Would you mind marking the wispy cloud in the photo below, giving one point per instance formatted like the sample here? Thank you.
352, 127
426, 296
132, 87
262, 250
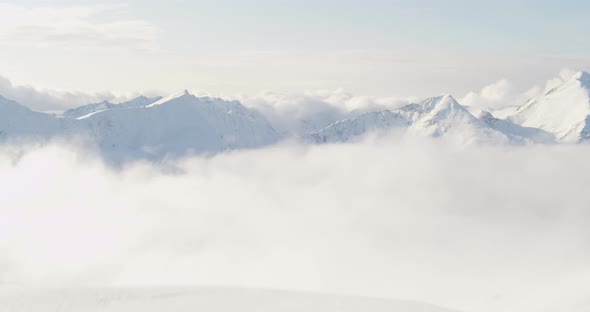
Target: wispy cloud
54, 101
78, 26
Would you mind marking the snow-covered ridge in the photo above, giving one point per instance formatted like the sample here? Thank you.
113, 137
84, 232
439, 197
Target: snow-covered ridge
517, 132
175, 127
437, 117
345, 130
88, 109
181, 124
562, 111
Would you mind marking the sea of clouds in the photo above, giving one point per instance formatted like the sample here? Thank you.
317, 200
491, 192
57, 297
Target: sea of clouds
474, 228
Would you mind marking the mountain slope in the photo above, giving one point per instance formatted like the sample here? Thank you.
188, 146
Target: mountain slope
177, 126
443, 115
515, 132
348, 129
84, 110
436, 117
563, 111
17, 122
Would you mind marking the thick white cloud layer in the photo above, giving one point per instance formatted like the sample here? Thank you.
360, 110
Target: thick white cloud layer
475, 228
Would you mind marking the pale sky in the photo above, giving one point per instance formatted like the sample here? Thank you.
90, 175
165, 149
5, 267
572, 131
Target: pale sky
369, 47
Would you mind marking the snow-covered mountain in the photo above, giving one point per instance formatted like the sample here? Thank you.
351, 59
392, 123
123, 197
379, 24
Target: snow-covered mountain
517, 133
84, 110
154, 128
19, 122
178, 125
174, 126
348, 129
563, 110
435, 117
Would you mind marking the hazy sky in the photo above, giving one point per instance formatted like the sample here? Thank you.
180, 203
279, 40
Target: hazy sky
401, 48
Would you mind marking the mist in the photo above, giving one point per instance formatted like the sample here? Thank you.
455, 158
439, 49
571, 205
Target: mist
474, 228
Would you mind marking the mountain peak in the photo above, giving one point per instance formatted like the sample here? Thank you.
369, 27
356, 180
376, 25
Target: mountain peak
442, 102
444, 99
583, 77
581, 74
449, 100
179, 96
485, 115
447, 97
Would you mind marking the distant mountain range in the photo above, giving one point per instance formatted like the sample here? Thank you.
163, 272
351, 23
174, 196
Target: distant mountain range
435, 117
145, 129
155, 128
